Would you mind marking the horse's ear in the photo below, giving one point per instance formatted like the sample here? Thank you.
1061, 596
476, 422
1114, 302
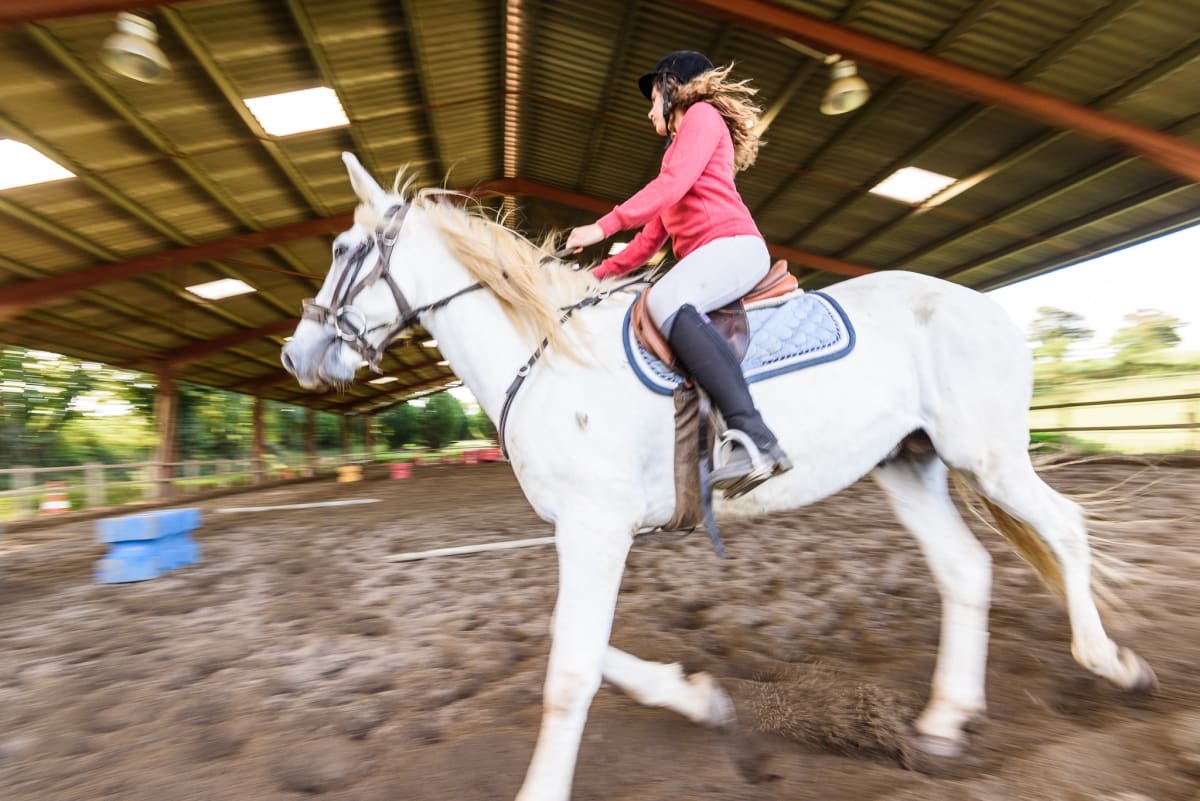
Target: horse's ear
367, 189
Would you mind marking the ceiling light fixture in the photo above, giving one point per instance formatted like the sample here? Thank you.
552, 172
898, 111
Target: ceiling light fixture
847, 91
133, 50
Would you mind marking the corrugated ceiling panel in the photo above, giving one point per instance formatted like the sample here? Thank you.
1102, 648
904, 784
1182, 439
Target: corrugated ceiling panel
1013, 34
1105, 62
912, 23
171, 197
103, 227
254, 181
42, 253
458, 47
372, 68
255, 43
1158, 105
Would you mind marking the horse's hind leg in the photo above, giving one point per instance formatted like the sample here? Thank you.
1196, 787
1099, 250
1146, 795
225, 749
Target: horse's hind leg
697, 697
1057, 527
918, 489
591, 560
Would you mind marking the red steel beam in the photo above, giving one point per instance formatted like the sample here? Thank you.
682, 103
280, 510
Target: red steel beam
200, 350
17, 298
20, 297
1176, 154
18, 12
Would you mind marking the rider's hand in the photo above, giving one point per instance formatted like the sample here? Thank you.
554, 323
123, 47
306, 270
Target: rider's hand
583, 236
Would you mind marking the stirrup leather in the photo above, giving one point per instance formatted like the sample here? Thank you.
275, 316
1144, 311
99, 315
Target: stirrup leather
738, 464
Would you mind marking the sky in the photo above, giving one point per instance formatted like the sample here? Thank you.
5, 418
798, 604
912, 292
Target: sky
1161, 274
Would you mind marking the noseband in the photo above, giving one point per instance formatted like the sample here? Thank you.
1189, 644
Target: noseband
349, 323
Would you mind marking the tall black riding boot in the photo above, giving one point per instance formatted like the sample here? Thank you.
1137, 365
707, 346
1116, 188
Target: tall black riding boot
707, 357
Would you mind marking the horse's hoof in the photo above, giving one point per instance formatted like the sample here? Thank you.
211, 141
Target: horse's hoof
1144, 681
942, 747
720, 713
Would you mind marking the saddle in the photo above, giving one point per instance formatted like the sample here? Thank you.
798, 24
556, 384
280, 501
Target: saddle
729, 320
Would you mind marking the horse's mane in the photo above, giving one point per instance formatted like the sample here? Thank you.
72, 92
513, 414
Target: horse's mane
531, 287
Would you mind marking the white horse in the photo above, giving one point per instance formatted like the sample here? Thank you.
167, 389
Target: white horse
592, 448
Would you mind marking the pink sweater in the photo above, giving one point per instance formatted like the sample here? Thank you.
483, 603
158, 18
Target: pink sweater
693, 199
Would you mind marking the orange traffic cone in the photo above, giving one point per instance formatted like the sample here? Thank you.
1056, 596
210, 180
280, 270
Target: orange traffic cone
56, 502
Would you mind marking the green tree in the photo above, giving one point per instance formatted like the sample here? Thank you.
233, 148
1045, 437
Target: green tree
441, 420
399, 425
480, 426
1055, 330
55, 410
1146, 331
213, 423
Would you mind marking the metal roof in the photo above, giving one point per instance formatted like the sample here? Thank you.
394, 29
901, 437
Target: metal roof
1077, 120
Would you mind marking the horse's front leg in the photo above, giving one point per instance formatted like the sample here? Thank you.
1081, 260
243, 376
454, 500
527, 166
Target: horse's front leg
591, 559
697, 697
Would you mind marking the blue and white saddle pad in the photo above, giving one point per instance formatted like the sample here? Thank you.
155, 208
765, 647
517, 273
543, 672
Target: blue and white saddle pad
805, 329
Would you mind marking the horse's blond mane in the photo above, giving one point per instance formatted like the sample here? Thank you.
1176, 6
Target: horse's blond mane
531, 288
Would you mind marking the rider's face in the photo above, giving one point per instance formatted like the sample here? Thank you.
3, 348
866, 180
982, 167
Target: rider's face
655, 115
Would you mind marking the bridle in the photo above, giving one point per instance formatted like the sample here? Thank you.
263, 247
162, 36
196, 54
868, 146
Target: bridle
342, 316
349, 323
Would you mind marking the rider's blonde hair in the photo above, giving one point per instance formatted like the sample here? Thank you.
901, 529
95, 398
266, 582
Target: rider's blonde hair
732, 99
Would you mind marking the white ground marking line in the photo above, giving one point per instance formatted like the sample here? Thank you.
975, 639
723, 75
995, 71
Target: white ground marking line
462, 549
298, 505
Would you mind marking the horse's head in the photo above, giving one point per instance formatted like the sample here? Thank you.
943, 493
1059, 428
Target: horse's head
360, 308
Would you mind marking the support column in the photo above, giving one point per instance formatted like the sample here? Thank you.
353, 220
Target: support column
257, 457
368, 436
166, 412
310, 442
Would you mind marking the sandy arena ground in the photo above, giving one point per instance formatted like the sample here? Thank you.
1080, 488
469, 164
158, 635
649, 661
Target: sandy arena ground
294, 659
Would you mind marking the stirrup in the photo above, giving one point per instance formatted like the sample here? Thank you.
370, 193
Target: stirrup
739, 466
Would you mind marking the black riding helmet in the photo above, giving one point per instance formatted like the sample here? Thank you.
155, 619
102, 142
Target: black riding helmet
683, 65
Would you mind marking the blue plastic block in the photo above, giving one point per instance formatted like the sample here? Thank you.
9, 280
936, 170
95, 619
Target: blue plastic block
147, 525
136, 560
179, 521
178, 550
142, 546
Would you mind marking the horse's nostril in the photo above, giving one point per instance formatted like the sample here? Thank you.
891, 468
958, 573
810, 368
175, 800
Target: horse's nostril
287, 362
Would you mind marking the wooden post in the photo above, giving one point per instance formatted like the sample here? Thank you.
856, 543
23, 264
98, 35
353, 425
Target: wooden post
259, 470
191, 469
94, 478
368, 436
310, 442
23, 480
166, 407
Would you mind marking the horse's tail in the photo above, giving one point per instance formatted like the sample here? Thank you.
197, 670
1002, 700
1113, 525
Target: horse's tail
1020, 535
